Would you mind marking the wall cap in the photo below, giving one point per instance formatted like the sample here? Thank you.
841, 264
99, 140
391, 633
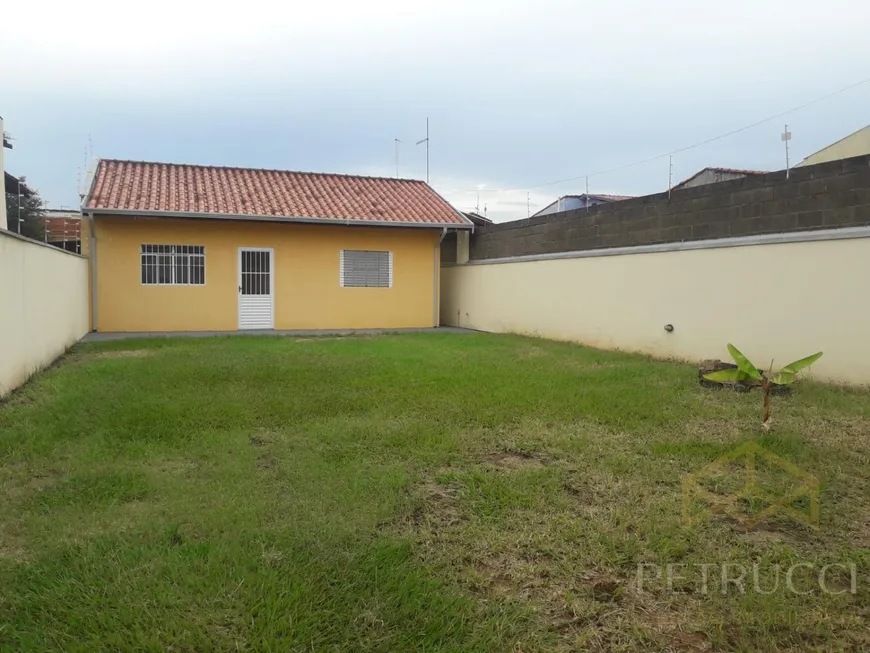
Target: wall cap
685, 245
17, 236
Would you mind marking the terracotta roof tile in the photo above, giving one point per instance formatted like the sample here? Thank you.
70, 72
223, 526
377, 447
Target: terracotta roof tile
245, 192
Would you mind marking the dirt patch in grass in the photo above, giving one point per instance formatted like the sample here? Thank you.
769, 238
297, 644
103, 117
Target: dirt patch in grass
775, 531
515, 460
852, 433
13, 553
13, 542
266, 461
861, 534
174, 467
670, 625
606, 588
126, 353
437, 505
18, 481
325, 338
583, 365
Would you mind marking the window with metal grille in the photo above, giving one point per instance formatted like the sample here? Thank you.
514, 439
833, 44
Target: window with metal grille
173, 265
366, 269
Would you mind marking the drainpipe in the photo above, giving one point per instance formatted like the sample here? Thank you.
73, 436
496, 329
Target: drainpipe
93, 258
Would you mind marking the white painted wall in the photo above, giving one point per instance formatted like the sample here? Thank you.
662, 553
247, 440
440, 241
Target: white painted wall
43, 306
780, 301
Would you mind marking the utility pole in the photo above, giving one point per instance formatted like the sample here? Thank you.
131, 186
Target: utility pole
528, 205
786, 137
397, 157
426, 140
587, 193
19, 206
670, 174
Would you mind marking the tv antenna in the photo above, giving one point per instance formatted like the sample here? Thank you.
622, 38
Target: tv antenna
398, 142
426, 140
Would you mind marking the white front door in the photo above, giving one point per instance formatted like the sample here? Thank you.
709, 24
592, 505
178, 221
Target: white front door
256, 288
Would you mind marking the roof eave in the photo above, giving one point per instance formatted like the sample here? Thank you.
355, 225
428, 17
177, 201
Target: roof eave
270, 218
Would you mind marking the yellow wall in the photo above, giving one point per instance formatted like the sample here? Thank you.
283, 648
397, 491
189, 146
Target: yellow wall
856, 144
307, 291
781, 301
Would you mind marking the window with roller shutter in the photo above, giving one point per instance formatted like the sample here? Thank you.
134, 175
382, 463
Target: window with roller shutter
366, 269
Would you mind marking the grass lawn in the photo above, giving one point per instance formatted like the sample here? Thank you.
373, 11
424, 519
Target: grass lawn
421, 492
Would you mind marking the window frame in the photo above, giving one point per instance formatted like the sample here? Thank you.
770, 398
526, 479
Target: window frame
341, 267
173, 264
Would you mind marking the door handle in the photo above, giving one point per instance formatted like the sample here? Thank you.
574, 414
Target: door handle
240, 290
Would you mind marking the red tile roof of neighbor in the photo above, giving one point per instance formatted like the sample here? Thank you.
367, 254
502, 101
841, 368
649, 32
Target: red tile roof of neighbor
169, 188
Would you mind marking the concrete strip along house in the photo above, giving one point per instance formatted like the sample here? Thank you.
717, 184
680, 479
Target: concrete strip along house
193, 248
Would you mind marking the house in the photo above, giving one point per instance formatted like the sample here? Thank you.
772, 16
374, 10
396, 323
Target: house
63, 228
571, 202
189, 248
855, 144
716, 175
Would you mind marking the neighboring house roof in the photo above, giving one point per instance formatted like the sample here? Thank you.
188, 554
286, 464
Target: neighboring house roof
600, 198
732, 171
169, 189
477, 219
604, 197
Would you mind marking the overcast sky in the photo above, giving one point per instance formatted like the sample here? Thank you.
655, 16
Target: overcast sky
518, 93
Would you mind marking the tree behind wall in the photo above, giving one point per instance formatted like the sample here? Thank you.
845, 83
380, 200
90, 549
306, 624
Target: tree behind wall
32, 211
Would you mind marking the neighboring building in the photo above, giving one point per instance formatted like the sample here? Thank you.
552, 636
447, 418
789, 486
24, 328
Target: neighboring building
855, 144
477, 219
63, 228
190, 248
716, 175
13, 186
571, 202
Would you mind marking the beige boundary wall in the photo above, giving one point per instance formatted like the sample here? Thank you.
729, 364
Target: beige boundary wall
781, 296
43, 306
